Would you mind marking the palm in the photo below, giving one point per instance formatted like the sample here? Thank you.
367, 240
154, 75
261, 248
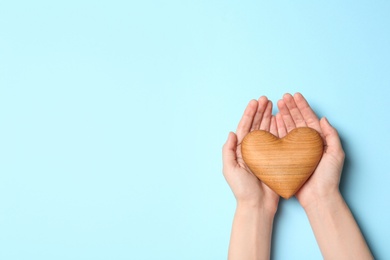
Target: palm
254, 187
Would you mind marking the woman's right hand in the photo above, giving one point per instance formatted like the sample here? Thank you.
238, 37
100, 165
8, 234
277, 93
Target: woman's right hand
294, 111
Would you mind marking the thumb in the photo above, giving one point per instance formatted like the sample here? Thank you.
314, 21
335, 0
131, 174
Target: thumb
229, 156
332, 138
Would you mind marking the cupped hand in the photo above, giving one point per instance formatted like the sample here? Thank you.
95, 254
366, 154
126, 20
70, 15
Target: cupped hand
294, 111
247, 188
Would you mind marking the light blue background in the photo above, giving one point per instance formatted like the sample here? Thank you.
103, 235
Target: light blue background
113, 115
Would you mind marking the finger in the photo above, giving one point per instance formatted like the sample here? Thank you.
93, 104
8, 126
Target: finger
266, 121
262, 104
245, 124
286, 116
294, 111
273, 128
308, 114
229, 151
332, 138
282, 131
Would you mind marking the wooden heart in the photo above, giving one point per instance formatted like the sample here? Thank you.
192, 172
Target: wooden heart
283, 164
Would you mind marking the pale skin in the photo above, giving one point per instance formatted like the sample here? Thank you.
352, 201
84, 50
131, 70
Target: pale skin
334, 227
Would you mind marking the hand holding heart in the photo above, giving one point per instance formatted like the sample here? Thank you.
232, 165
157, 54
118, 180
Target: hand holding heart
283, 155
294, 112
247, 188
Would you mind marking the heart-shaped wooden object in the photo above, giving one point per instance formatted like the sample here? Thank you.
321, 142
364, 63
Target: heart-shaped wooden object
283, 164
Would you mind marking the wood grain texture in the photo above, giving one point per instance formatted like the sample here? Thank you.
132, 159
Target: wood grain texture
283, 164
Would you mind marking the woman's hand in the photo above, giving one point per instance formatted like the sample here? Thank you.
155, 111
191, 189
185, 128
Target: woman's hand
247, 188
256, 203
296, 112
334, 226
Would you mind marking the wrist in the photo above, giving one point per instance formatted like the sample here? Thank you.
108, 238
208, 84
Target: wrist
256, 207
320, 203
317, 195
